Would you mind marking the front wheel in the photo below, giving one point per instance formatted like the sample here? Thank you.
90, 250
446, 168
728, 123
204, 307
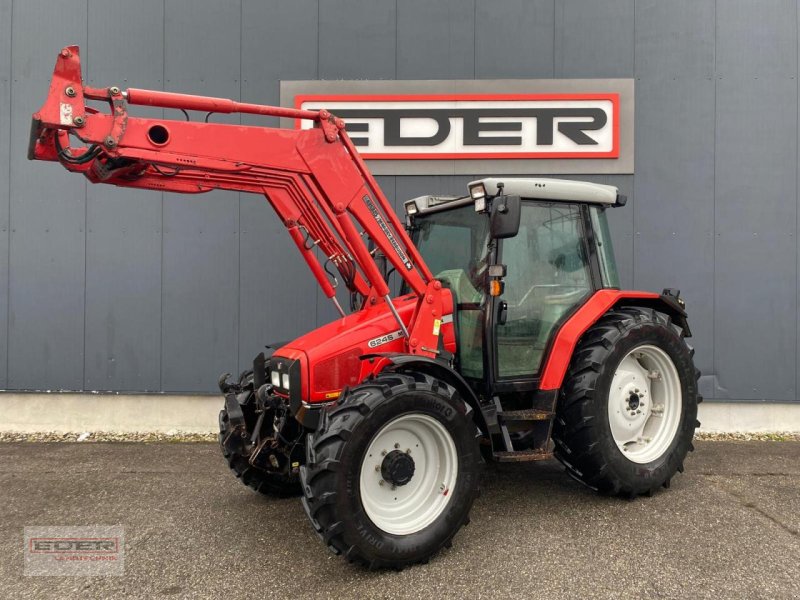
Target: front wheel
392, 472
628, 408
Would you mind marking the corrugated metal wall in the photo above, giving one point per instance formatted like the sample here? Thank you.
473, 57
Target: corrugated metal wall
108, 289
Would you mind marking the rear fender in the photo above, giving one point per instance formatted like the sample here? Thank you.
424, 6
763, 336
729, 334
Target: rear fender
570, 332
668, 303
398, 363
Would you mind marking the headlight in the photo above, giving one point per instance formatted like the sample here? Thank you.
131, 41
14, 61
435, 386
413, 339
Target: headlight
275, 379
285, 380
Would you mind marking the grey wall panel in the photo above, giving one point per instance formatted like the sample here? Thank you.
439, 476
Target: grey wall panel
436, 40
756, 245
514, 38
200, 269
123, 239
675, 39
594, 39
200, 305
279, 41
41, 28
5, 41
674, 189
5, 125
357, 39
47, 216
756, 39
126, 43
202, 46
123, 290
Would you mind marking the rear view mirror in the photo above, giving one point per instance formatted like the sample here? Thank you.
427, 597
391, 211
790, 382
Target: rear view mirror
504, 219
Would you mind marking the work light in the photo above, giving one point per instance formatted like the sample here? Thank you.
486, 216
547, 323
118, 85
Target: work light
477, 191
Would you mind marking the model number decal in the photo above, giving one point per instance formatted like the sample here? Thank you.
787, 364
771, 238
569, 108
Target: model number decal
385, 339
387, 232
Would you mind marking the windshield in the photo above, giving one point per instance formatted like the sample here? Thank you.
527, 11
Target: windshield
454, 244
453, 240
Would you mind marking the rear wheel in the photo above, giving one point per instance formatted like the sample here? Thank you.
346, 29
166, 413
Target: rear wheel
628, 408
392, 472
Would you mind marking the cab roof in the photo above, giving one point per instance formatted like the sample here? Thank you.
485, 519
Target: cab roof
539, 188
542, 188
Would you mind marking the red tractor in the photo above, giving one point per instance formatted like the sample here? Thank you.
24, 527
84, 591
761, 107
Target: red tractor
509, 339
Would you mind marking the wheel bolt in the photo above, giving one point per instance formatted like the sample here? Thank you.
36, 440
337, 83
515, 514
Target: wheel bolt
396, 446
377, 468
381, 482
383, 452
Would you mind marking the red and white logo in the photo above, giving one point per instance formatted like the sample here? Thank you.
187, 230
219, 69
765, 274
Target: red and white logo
476, 126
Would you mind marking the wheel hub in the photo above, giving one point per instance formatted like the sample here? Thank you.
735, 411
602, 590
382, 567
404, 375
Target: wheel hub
397, 468
631, 395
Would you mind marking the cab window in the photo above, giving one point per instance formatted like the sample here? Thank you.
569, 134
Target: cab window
548, 277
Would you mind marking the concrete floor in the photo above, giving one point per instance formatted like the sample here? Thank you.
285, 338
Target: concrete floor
728, 528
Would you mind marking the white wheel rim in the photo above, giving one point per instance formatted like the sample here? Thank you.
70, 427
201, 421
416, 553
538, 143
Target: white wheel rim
406, 509
645, 403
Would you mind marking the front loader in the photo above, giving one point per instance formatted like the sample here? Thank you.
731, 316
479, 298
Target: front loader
510, 339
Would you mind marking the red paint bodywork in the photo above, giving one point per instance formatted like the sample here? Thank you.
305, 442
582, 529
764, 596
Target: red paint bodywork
570, 332
353, 334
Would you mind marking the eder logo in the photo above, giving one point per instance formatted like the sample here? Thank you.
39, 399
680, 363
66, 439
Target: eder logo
476, 126
73, 545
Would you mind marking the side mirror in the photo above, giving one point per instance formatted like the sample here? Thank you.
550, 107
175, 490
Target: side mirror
504, 219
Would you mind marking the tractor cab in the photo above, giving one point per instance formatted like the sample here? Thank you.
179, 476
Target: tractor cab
520, 256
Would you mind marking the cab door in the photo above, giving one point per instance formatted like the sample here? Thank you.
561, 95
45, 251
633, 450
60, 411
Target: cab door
548, 278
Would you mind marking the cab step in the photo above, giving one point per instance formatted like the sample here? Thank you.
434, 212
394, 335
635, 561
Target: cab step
530, 414
523, 455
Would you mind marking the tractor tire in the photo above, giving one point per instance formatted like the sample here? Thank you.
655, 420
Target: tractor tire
392, 472
628, 407
269, 484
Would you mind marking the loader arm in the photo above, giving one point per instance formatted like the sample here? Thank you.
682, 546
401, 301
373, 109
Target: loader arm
314, 179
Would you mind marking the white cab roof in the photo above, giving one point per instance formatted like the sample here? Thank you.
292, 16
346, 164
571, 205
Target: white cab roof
551, 189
